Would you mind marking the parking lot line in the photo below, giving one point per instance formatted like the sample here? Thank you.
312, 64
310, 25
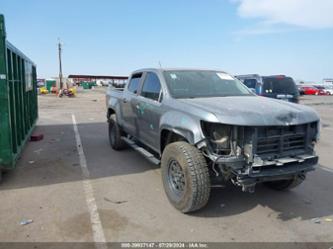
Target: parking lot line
326, 168
97, 228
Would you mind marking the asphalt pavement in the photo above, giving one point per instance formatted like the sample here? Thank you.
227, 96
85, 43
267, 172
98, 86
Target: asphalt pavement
74, 187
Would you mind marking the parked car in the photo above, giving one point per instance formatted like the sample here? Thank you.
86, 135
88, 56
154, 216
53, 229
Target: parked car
329, 89
310, 90
276, 86
206, 128
324, 90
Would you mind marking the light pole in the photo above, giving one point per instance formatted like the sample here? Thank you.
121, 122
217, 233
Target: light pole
60, 64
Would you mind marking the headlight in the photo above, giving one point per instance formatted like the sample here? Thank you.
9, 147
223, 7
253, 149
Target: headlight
219, 135
248, 152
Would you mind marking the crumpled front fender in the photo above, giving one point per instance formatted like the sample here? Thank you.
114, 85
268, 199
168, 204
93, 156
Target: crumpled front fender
183, 125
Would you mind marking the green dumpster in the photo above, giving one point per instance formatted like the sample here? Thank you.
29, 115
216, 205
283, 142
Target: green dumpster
49, 84
18, 100
87, 84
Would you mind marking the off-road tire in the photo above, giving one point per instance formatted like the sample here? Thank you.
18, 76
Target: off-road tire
285, 184
197, 181
115, 134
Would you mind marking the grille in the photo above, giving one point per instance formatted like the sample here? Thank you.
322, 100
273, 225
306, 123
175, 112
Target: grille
280, 141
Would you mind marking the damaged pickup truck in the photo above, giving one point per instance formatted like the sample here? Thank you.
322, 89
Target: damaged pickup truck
206, 128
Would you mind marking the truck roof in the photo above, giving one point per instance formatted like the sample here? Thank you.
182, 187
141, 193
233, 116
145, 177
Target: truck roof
176, 69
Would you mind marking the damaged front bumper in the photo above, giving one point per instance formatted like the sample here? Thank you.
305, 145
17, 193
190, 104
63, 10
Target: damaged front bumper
281, 169
248, 175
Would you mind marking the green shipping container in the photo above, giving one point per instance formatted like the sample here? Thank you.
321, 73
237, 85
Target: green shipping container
18, 100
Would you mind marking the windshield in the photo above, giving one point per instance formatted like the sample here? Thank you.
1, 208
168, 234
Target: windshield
279, 85
198, 84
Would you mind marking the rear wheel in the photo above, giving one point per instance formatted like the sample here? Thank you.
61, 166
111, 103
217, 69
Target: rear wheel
115, 134
286, 184
185, 176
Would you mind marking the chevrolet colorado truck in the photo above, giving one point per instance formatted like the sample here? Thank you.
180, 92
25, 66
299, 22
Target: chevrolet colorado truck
206, 128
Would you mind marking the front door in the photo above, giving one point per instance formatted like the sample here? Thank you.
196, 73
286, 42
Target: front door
149, 111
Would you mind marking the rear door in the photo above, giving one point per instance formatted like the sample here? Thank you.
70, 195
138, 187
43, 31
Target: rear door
128, 104
149, 111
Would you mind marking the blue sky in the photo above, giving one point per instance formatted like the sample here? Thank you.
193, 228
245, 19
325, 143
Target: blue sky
115, 37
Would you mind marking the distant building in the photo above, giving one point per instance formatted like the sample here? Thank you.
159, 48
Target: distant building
328, 81
307, 83
77, 78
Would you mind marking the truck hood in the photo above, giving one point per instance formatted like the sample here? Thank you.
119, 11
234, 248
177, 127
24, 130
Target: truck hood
253, 111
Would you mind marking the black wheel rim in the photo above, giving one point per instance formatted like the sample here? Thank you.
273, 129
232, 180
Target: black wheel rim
176, 178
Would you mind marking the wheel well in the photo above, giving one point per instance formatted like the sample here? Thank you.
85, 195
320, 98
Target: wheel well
168, 137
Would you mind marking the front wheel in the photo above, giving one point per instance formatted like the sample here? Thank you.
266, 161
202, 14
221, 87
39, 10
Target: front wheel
185, 176
286, 184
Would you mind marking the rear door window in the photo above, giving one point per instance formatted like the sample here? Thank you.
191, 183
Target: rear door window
134, 83
151, 87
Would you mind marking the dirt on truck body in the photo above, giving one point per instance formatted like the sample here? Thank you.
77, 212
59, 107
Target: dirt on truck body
205, 127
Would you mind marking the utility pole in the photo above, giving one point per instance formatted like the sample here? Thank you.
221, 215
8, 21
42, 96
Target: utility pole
60, 65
